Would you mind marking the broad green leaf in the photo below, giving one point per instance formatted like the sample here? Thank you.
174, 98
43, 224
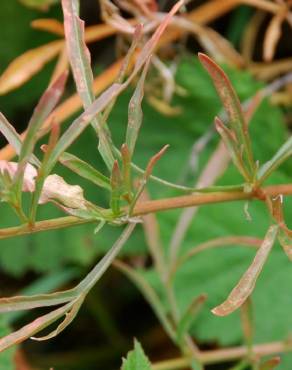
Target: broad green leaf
84, 170
136, 359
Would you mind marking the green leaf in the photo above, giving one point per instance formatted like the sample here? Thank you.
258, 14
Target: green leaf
13, 138
282, 155
190, 316
84, 170
136, 359
90, 280
45, 106
117, 188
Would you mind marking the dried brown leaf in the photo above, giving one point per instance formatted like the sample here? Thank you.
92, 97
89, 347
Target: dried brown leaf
273, 34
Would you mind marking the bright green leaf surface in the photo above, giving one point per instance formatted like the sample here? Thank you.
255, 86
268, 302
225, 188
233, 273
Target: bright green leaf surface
136, 359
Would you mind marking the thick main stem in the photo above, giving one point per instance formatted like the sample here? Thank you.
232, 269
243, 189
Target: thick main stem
150, 206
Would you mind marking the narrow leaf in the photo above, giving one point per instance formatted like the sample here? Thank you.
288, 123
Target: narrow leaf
79, 125
46, 104
270, 364
27, 65
90, 280
154, 160
286, 243
84, 170
135, 113
126, 159
116, 187
34, 327
190, 316
247, 282
18, 303
69, 317
226, 93
49, 25
232, 106
79, 58
146, 176
149, 294
281, 156
232, 146
13, 138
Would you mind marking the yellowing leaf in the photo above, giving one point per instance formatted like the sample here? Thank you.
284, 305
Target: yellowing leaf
27, 65
48, 24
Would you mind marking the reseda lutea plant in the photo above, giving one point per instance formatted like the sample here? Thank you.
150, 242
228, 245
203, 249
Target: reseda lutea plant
128, 203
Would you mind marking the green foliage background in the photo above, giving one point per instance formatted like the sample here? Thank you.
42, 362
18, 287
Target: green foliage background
213, 272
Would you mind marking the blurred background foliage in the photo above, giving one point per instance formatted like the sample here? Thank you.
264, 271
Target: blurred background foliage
115, 310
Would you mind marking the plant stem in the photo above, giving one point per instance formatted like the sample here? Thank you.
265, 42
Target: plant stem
222, 355
150, 206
